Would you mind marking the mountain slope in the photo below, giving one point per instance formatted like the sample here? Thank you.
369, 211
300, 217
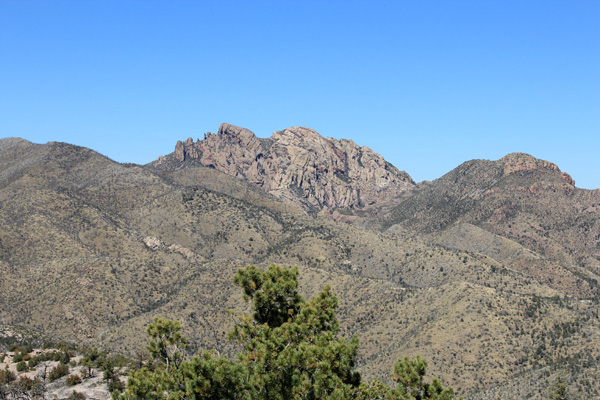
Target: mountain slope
92, 250
518, 197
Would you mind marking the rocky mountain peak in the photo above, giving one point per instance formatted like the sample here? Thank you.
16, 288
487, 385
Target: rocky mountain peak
297, 164
299, 134
516, 162
236, 133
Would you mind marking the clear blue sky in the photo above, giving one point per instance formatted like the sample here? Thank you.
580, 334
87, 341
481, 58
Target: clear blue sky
427, 84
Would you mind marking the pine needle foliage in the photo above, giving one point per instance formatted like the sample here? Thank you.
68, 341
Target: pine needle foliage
290, 350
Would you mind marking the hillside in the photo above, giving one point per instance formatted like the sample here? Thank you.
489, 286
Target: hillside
91, 250
523, 199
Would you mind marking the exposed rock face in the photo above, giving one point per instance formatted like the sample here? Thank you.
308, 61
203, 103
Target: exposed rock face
296, 163
515, 162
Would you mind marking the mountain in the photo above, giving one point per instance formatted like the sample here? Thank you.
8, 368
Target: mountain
296, 164
92, 250
523, 199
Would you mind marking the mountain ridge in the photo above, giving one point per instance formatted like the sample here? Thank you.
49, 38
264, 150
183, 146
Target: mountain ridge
92, 250
296, 164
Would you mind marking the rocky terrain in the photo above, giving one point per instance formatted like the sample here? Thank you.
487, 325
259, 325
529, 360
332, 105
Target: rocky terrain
33, 370
490, 272
296, 164
90, 387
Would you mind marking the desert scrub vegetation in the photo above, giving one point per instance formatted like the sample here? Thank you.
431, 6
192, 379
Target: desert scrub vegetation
290, 350
58, 372
73, 379
21, 366
7, 376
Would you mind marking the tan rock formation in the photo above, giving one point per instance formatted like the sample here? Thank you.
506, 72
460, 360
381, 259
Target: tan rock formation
515, 162
297, 164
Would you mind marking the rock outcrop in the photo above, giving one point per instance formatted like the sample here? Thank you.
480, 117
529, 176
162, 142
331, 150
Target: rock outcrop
297, 164
516, 162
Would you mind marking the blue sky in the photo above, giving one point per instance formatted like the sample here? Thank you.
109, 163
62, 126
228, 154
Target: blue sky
427, 84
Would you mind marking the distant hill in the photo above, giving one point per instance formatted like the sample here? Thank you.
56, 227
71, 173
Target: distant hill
520, 198
91, 250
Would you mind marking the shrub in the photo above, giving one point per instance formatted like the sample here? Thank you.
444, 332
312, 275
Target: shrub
18, 357
115, 384
25, 383
65, 358
64, 346
75, 395
33, 362
73, 380
26, 349
22, 366
58, 372
7, 376
50, 356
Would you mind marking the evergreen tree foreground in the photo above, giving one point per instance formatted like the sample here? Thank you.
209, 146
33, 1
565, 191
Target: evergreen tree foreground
289, 351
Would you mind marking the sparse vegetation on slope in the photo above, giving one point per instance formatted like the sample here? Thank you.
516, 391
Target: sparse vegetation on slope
91, 250
59, 372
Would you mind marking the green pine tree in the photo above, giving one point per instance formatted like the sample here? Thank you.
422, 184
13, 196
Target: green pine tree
290, 350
